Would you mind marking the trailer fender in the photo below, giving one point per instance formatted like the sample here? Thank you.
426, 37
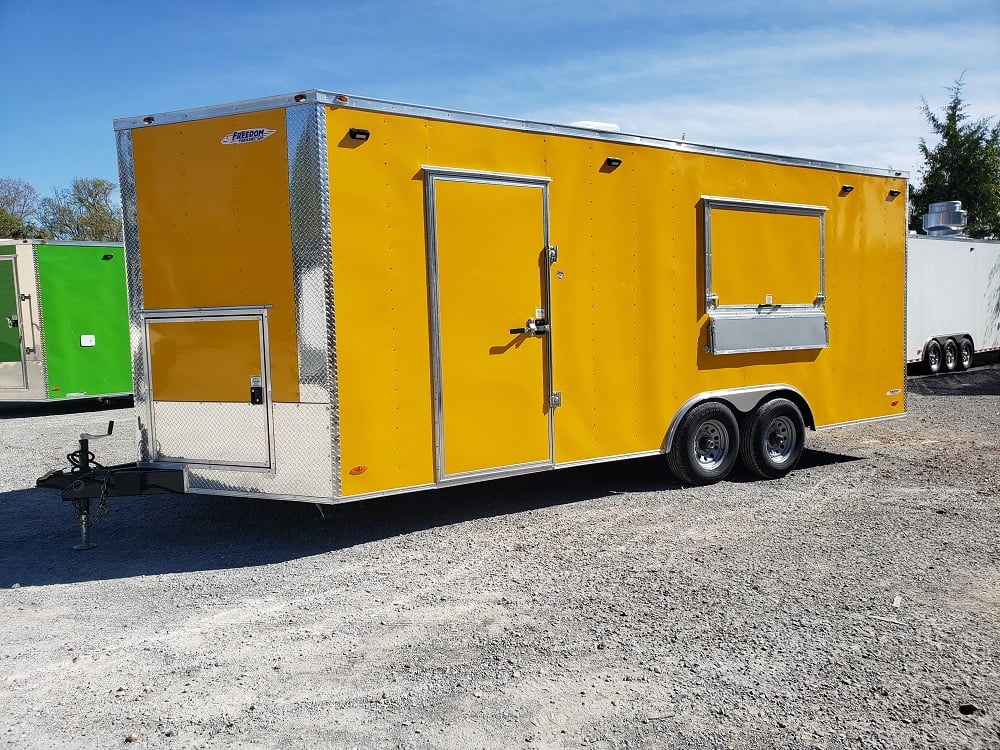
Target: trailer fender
742, 401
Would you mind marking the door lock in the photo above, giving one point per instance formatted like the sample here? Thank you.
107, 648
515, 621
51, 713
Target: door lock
256, 390
532, 327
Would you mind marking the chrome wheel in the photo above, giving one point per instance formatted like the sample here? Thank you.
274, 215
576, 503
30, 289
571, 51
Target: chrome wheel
965, 354
950, 355
934, 357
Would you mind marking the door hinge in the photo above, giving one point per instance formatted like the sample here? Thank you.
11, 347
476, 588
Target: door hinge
555, 400
25, 297
553, 253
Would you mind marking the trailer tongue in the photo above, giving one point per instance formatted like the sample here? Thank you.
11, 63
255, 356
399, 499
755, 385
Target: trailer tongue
86, 480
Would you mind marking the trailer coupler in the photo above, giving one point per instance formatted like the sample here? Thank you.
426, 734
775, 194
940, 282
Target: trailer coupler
86, 480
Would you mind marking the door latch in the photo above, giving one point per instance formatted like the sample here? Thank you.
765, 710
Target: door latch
12, 321
532, 327
256, 390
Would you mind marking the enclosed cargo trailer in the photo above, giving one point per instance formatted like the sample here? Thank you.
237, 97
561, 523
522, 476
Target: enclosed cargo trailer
64, 321
952, 294
335, 298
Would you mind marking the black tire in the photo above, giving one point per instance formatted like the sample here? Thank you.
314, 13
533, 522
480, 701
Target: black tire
933, 357
950, 355
773, 439
966, 353
706, 445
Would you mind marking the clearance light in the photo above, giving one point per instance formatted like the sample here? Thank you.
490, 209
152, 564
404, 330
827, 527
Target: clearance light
359, 134
612, 162
358, 470
342, 98
845, 189
893, 194
300, 97
148, 120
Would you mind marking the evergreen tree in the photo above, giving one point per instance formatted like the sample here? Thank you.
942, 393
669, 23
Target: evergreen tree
964, 166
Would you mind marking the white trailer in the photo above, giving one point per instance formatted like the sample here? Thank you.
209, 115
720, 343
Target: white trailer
952, 294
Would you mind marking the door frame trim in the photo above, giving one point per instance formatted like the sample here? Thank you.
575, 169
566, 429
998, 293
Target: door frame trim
432, 175
206, 314
20, 325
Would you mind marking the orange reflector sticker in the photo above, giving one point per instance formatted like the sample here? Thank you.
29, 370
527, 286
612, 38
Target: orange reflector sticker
358, 470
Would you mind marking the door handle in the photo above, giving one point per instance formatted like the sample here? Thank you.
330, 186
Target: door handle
532, 327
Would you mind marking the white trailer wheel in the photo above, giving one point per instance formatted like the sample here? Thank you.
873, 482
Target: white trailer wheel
950, 355
966, 353
932, 357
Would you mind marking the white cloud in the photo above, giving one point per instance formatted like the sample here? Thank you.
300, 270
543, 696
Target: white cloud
851, 95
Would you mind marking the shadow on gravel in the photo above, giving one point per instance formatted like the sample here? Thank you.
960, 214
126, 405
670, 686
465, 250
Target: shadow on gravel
810, 460
155, 535
20, 410
979, 381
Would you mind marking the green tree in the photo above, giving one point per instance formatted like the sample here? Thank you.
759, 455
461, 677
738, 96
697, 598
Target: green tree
963, 166
11, 227
83, 212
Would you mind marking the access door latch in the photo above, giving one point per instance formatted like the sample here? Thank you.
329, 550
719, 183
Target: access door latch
256, 391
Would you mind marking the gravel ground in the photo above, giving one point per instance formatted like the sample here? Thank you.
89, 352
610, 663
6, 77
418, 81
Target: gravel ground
855, 603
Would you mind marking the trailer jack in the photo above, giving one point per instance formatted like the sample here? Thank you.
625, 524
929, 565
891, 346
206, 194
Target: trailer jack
86, 480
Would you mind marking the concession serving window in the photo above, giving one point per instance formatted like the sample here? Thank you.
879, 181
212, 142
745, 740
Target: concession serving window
764, 276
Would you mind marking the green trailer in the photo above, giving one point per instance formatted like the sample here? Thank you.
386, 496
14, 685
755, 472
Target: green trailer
64, 330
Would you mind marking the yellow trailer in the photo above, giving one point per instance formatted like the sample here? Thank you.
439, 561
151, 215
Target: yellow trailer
335, 298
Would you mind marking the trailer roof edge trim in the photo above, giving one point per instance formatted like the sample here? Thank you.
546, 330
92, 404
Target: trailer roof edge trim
348, 101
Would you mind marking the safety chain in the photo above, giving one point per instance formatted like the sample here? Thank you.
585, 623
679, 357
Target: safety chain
81, 506
102, 505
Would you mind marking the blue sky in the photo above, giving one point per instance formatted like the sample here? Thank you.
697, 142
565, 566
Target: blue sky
840, 81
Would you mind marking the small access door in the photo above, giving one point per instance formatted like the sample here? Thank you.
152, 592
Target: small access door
12, 367
491, 323
209, 387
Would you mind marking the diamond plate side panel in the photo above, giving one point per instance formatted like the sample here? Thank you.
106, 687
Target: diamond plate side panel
133, 275
210, 432
312, 258
310, 222
303, 464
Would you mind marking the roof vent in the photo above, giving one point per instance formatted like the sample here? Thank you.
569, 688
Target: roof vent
945, 218
608, 127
